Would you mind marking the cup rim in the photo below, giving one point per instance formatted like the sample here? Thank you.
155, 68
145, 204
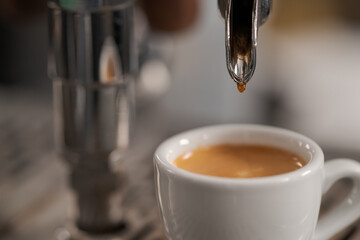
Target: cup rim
316, 161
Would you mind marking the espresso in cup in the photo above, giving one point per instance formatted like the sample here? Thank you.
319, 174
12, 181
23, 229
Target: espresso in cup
239, 161
279, 207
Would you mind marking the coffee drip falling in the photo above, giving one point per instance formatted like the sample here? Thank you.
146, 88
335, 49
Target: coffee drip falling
242, 19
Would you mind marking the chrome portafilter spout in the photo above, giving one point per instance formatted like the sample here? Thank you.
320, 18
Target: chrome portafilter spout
92, 66
242, 20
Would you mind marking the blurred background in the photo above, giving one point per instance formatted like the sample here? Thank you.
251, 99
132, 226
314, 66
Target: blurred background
307, 79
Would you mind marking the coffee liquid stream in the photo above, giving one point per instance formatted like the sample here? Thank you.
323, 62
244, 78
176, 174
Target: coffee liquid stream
239, 161
240, 38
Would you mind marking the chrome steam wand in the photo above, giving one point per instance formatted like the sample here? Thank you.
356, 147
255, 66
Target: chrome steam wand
92, 66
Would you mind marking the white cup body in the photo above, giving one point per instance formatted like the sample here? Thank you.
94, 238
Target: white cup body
199, 207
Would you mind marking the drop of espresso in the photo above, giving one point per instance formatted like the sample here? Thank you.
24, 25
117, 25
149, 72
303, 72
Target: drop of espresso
241, 87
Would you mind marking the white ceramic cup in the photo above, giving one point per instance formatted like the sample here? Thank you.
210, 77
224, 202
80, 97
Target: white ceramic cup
280, 207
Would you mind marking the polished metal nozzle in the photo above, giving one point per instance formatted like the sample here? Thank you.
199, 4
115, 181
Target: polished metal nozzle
242, 19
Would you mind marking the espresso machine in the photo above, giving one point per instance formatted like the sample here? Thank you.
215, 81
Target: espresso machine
93, 65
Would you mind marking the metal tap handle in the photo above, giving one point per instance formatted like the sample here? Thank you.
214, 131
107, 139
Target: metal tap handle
242, 19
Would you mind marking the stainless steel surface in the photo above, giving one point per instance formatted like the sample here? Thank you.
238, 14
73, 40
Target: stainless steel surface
91, 5
92, 65
92, 119
91, 47
242, 20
